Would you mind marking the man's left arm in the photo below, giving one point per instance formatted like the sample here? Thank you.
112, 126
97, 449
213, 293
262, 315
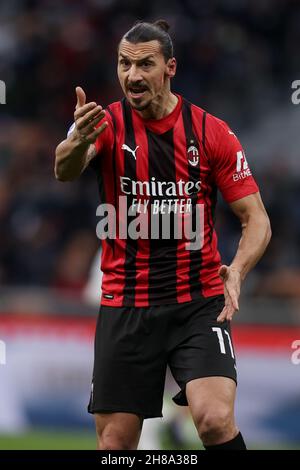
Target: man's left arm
256, 234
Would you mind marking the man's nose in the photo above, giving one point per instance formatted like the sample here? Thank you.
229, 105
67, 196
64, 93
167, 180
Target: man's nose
134, 75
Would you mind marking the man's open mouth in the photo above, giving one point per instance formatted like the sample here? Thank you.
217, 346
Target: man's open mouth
137, 92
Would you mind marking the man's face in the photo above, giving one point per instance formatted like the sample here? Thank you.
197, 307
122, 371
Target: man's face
142, 72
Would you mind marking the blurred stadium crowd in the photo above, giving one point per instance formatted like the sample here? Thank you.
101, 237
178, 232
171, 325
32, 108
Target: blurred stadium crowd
236, 59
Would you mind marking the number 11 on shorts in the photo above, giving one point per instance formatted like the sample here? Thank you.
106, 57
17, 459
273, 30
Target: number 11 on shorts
219, 332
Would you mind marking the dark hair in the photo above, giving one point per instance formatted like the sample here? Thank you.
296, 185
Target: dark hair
143, 32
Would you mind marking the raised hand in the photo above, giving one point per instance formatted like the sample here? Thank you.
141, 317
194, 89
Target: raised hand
86, 117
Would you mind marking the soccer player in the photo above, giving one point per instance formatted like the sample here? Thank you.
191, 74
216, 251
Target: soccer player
166, 299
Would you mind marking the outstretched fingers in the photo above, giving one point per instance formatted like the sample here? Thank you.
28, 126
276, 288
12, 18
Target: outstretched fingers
87, 116
93, 136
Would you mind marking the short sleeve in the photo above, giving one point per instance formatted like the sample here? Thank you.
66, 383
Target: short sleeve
230, 167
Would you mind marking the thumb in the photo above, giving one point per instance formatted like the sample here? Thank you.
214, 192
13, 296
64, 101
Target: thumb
81, 98
223, 272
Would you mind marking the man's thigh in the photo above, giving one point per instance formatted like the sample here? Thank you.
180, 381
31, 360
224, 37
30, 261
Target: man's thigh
211, 402
210, 393
203, 347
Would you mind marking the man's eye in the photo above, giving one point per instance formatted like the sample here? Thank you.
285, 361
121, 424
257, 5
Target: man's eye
147, 64
124, 62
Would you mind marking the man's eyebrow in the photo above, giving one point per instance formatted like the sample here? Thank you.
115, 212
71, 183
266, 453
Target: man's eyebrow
149, 56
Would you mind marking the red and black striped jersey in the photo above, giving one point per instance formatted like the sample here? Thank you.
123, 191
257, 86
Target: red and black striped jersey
170, 166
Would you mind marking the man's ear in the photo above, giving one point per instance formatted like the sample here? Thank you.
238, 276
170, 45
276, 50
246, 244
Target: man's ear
171, 67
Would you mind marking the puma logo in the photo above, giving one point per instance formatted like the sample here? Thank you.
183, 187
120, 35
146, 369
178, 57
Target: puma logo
125, 147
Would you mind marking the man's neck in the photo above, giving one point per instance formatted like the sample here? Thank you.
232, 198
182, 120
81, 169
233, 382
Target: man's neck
160, 107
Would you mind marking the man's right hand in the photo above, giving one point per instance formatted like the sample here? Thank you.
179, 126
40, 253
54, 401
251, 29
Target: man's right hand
86, 117
73, 154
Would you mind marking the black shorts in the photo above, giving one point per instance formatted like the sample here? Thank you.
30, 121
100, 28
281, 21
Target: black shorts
134, 345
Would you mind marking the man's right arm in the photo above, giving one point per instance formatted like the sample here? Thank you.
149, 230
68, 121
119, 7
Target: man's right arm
73, 154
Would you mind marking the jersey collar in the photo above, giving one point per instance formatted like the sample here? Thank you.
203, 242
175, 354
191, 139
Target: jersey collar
159, 126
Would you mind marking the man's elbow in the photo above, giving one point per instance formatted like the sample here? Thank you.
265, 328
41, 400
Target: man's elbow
60, 172
60, 175
268, 230
57, 167
63, 177
264, 224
